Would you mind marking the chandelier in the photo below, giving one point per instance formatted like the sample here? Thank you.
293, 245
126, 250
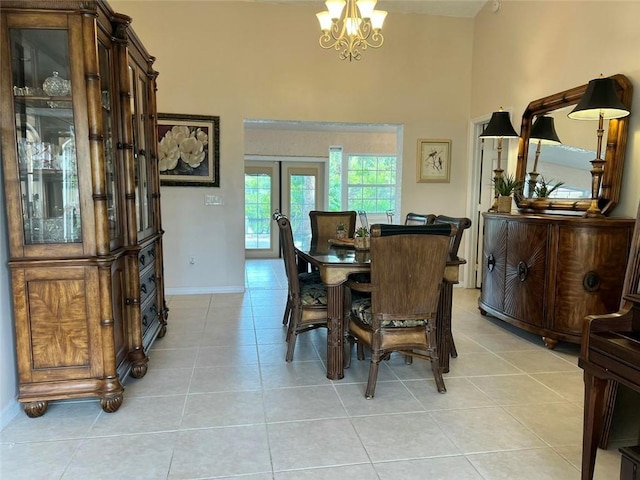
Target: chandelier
357, 30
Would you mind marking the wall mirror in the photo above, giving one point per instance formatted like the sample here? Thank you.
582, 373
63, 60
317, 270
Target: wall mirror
568, 162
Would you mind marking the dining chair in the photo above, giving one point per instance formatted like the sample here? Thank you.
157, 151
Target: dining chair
324, 224
364, 221
419, 218
306, 307
396, 311
461, 224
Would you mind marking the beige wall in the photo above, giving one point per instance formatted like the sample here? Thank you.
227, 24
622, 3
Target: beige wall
531, 49
243, 60
315, 143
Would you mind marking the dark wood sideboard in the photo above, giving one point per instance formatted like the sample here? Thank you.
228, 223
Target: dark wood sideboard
545, 273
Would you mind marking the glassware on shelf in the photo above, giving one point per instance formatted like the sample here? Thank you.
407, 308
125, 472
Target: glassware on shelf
56, 86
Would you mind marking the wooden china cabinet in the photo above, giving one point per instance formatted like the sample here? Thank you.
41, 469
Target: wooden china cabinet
82, 197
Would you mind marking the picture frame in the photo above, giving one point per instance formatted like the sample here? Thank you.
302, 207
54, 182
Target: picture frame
188, 150
434, 160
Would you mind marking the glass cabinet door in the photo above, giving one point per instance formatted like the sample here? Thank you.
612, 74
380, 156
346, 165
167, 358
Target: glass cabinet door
108, 113
42, 97
139, 111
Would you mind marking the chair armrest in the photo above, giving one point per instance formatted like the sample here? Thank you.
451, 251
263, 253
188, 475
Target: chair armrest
619, 321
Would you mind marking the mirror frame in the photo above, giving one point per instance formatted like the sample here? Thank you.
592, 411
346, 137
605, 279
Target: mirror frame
614, 154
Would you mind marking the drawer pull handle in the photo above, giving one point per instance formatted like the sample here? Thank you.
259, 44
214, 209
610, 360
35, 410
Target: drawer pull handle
143, 288
523, 271
491, 262
143, 260
591, 281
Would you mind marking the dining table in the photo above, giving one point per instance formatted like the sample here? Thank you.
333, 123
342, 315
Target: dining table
336, 260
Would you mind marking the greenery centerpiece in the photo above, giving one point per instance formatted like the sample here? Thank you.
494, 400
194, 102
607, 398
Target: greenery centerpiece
505, 187
544, 188
361, 240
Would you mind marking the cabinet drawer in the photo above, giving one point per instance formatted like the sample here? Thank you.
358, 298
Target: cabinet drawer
147, 284
147, 256
149, 314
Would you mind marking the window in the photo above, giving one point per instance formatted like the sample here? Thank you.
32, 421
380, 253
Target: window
335, 179
371, 183
257, 208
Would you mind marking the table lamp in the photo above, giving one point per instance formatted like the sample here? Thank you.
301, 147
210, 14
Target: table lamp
499, 127
599, 102
544, 131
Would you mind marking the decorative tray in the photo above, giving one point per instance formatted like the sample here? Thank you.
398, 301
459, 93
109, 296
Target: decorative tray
342, 242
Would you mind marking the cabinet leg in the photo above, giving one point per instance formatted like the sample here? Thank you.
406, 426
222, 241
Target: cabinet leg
111, 403
163, 320
35, 409
550, 343
139, 370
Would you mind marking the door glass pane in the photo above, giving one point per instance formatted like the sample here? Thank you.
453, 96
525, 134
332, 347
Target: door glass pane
106, 90
134, 132
145, 204
45, 135
302, 200
257, 211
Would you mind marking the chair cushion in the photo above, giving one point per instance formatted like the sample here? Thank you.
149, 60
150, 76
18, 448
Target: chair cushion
313, 294
361, 309
312, 277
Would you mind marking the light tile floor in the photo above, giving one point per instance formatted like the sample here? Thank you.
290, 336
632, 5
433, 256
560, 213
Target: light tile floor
219, 401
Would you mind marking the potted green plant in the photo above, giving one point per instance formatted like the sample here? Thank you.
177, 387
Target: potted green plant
361, 240
544, 188
505, 186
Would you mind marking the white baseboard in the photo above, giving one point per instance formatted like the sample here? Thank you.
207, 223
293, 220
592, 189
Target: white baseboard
204, 290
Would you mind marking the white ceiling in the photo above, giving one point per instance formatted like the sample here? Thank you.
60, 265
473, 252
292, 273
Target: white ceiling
447, 8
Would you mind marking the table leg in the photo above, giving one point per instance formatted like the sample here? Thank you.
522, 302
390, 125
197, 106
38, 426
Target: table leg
443, 325
335, 335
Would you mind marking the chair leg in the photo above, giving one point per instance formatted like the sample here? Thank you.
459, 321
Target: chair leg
437, 374
408, 359
594, 389
452, 347
373, 375
360, 350
287, 313
291, 346
347, 353
292, 333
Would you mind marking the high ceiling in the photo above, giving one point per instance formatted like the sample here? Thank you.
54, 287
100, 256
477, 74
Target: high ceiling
448, 8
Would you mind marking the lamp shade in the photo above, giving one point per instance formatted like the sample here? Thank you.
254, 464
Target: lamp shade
600, 98
499, 126
544, 131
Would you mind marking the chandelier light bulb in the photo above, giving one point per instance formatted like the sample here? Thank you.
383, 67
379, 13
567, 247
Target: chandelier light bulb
351, 26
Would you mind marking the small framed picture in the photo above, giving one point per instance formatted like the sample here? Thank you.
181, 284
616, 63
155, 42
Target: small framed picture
434, 160
189, 150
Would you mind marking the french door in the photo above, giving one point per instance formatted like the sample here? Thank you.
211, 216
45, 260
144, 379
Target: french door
293, 188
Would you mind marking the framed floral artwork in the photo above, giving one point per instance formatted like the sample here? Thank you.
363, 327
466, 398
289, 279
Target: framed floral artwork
434, 160
189, 150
